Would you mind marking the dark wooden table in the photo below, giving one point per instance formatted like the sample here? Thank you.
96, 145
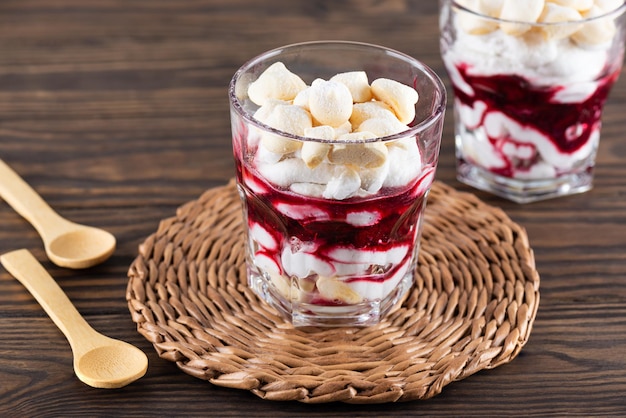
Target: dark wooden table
116, 113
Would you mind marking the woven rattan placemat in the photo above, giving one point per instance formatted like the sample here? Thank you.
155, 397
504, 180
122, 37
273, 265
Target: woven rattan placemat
472, 308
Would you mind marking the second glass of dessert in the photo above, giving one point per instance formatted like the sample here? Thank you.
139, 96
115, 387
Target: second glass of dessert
530, 79
336, 146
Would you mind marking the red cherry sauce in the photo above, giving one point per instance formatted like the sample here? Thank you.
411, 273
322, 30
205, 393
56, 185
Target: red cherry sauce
323, 226
568, 125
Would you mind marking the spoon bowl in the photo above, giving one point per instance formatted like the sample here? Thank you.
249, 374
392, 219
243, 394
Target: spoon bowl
80, 247
67, 243
99, 361
101, 366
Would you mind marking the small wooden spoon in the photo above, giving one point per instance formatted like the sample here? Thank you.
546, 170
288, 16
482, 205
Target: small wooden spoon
99, 361
67, 244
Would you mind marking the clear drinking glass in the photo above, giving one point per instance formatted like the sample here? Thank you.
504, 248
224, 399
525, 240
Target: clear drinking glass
528, 97
335, 244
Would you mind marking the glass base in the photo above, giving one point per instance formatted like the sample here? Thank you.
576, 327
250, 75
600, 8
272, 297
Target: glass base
524, 191
309, 315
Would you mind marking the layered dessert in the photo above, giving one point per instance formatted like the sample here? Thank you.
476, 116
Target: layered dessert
530, 80
333, 212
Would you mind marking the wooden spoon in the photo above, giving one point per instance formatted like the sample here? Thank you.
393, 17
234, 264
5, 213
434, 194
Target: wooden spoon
67, 244
99, 361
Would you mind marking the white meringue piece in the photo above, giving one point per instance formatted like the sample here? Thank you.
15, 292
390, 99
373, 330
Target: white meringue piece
330, 102
597, 31
554, 13
520, 11
357, 83
400, 97
370, 110
276, 82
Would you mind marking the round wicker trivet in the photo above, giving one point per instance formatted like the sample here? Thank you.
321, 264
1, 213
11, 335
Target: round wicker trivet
472, 308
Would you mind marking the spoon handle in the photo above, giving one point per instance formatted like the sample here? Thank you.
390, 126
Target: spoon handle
26, 201
25, 268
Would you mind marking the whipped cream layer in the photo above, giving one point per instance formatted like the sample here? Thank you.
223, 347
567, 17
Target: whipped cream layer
542, 62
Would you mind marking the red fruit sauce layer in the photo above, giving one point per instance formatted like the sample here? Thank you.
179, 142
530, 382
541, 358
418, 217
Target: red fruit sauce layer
323, 222
535, 107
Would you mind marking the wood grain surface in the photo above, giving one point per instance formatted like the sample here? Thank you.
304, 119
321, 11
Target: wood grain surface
116, 112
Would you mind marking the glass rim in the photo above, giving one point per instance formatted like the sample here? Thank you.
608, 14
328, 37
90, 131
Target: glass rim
438, 108
612, 14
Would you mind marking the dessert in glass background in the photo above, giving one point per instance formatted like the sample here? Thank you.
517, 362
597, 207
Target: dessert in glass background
336, 146
530, 79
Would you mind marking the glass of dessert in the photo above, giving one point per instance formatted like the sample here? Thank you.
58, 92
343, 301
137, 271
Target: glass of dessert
336, 146
530, 79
